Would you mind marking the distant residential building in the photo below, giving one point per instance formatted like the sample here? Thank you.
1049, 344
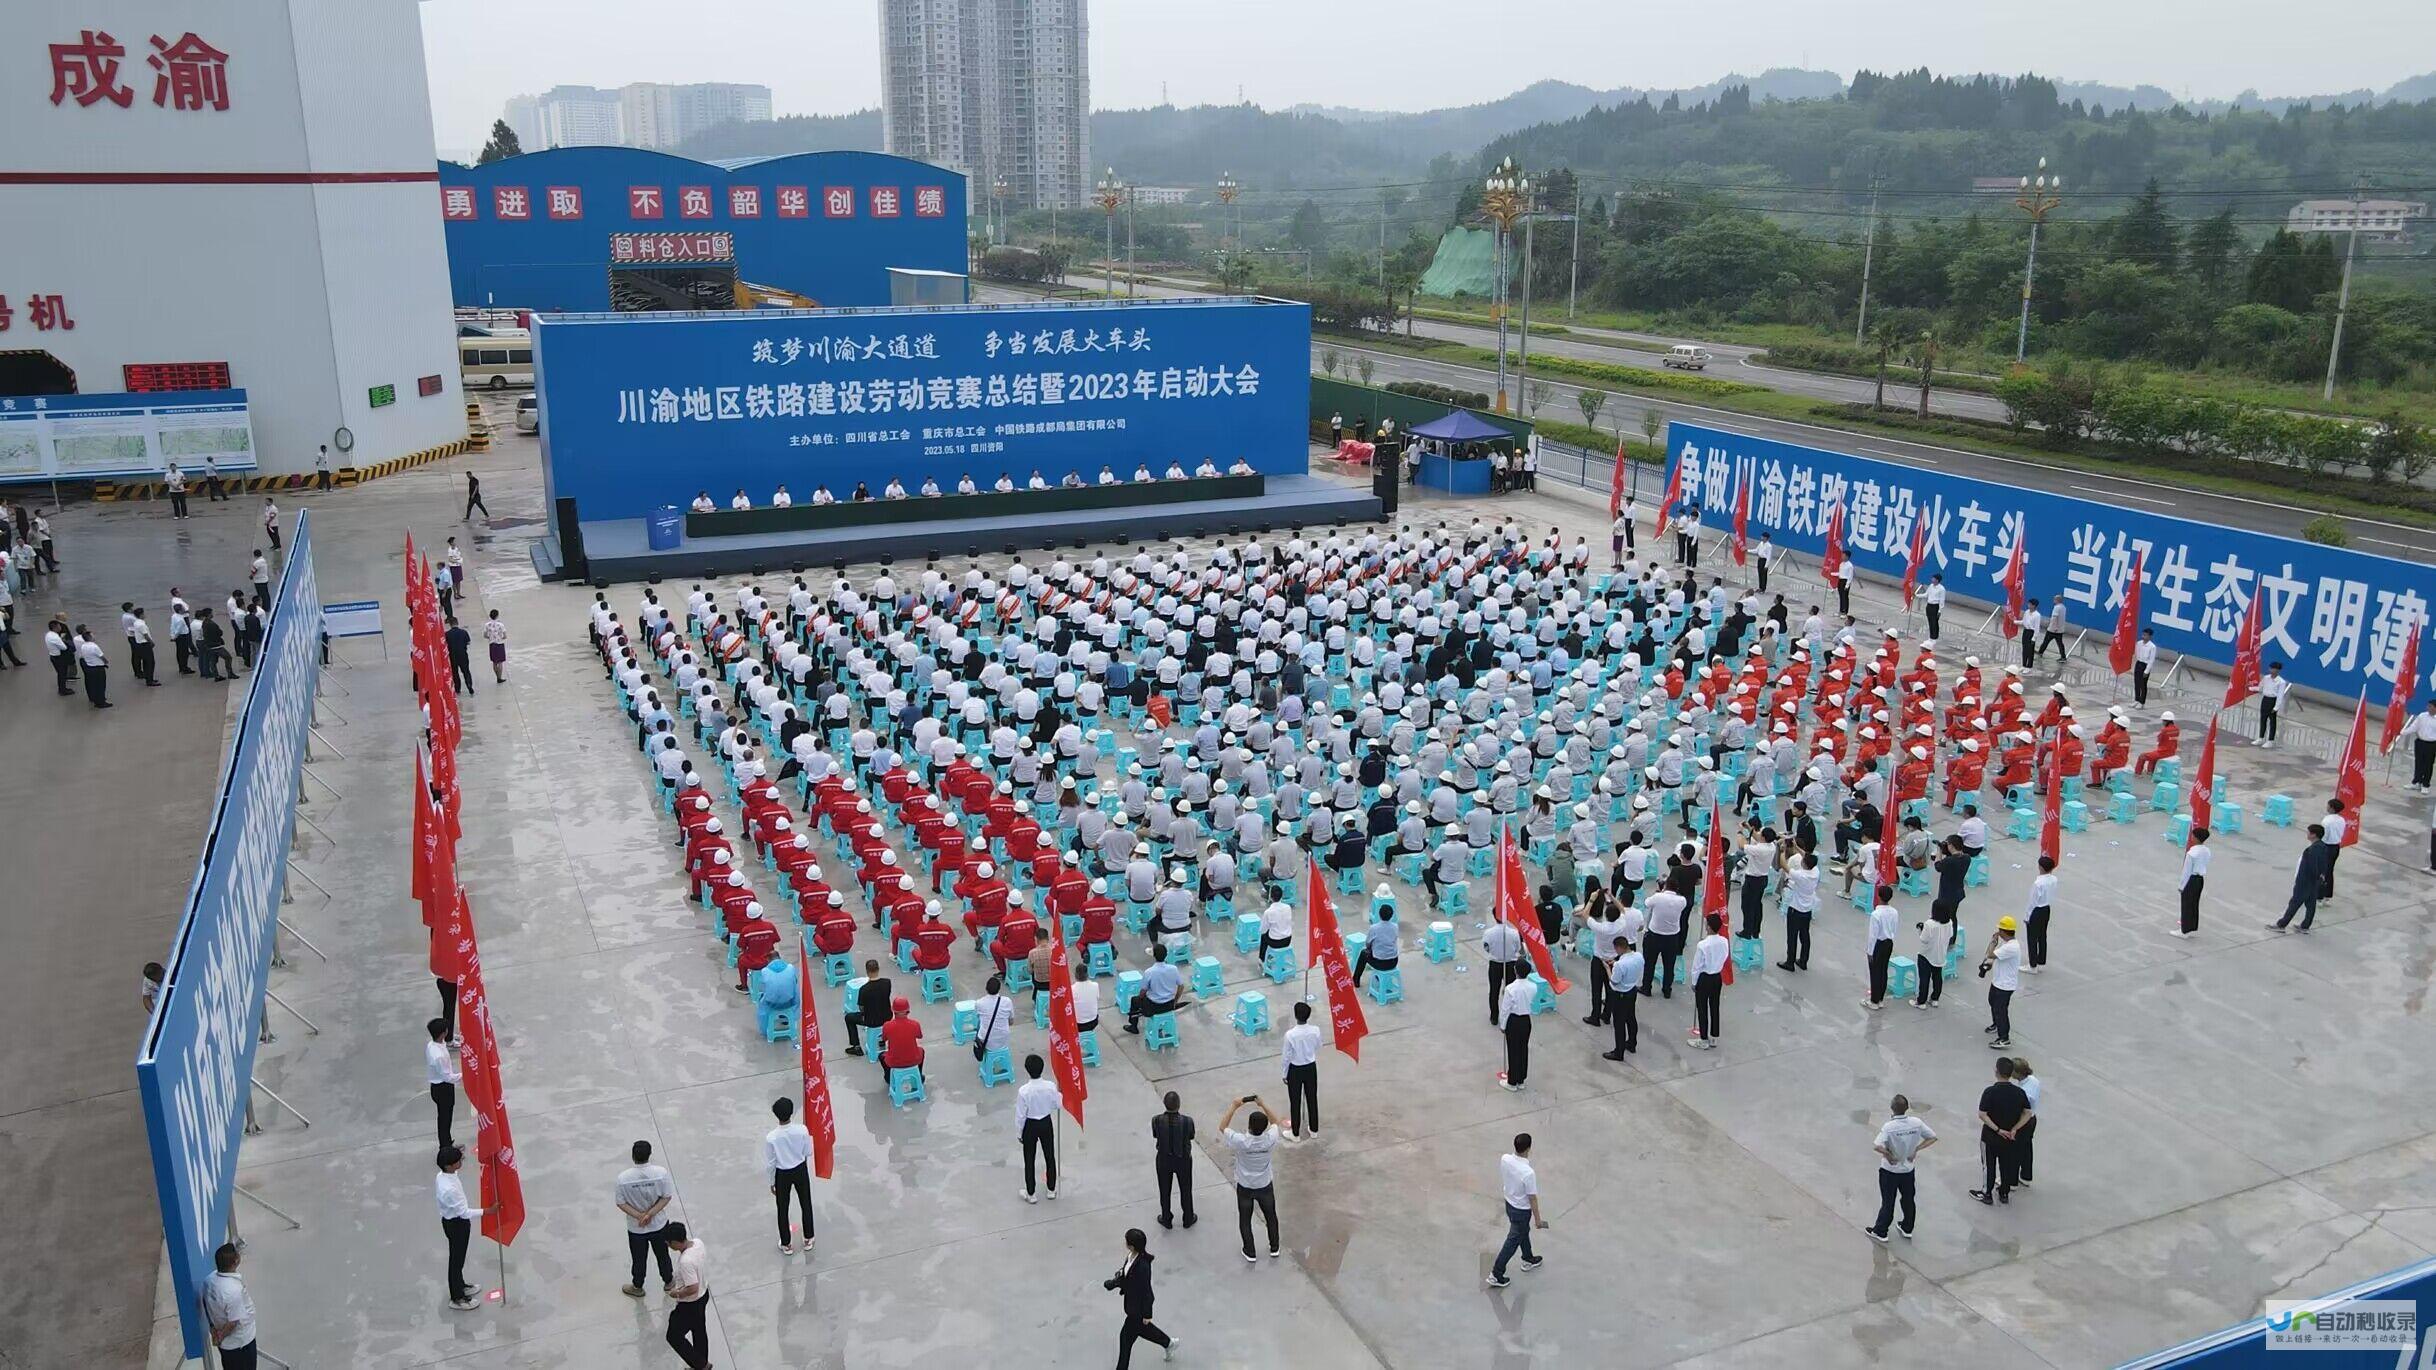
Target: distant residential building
1163, 195
2376, 221
994, 89
644, 114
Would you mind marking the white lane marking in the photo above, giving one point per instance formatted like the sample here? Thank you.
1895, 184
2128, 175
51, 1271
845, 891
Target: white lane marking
2112, 494
2388, 542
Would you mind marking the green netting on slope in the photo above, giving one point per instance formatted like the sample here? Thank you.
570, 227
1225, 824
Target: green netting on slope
1466, 264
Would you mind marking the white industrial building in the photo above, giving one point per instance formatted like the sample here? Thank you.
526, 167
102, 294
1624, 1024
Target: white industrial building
252, 185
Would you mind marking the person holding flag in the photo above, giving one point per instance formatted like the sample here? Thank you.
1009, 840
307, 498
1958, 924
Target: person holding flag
1742, 524
2351, 794
2123, 649
1709, 961
786, 1160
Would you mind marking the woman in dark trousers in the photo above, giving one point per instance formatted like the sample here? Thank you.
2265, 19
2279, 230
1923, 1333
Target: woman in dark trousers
1132, 1282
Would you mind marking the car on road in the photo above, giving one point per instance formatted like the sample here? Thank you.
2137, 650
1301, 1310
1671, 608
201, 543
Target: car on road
1685, 357
528, 414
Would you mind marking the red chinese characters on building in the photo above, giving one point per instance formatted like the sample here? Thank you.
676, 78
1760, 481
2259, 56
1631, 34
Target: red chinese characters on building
744, 202
190, 74
511, 202
930, 202
794, 202
837, 202
46, 312
644, 202
457, 202
566, 202
86, 71
635, 248
886, 202
693, 202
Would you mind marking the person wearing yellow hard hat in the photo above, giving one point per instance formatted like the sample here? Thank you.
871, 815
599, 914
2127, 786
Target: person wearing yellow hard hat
2001, 966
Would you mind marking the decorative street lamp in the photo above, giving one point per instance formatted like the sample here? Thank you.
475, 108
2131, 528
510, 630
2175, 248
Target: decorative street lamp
2039, 195
1503, 198
1228, 189
1112, 193
998, 206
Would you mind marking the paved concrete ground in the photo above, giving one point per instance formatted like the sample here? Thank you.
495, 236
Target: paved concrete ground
2228, 1119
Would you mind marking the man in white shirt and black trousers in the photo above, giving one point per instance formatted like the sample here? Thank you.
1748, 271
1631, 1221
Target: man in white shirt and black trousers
2144, 660
689, 1302
1503, 947
1300, 1056
1932, 602
229, 1311
440, 1072
2195, 860
1900, 1141
1036, 1105
457, 1222
2421, 730
2271, 691
1514, 1017
1520, 1182
786, 1153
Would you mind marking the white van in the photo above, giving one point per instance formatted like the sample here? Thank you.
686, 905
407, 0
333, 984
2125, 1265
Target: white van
497, 361
1685, 357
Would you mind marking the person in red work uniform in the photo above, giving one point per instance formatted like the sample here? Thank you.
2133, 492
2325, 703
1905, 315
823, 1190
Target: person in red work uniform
729, 896
901, 1038
1016, 933
904, 912
1964, 772
707, 859
985, 899
934, 941
2114, 750
796, 856
832, 928
2169, 743
1099, 917
692, 816
756, 945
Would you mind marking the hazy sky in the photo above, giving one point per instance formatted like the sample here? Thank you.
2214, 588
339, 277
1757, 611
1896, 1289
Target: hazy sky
821, 56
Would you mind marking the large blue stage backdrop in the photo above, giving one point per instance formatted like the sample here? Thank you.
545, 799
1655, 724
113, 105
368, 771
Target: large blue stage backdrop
2337, 619
642, 410
196, 1067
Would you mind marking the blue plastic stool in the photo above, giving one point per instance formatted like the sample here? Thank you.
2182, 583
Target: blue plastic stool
1697, 821
2166, 798
905, 958
2170, 768
2022, 824
1349, 880
2178, 829
837, 970
1543, 999
2216, 790
1209, 977
1128, 984
1748, 952
1040, 1011
936, 986
1458, 897
1963, 799
1438, 941
2278, 810
1018, 977
1160, 1035
1355, 943
905, 1086
1099, 959
964, 1024
2073, 787
1481, 862
1910, 881
1247, 932
1089, 1038
2123, 807
997, 1068
1978, 872
1914, 808
2076, 816
1387, 984
2227, 818
776, 1023
1251, 1015
1763, 808
1281, 965
1408, 867
2118, 782
1902, 978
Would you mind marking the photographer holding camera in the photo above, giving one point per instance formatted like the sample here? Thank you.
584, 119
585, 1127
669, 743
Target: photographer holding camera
1255, 1172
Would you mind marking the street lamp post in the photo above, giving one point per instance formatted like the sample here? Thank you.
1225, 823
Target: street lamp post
998, 207
1112, 192
2039, 195
1228, 189
1502, 200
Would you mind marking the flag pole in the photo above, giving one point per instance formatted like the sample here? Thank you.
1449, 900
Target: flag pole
502, 1247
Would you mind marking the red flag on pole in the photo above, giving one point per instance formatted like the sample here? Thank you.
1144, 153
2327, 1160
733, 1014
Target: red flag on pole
1065, 1042
419, 856
2051, 820
502, 1182
2127, 623
2203, 785
2406, 683
1831, 558
1890, 827
1713, 879
1514, 906
2016, 573
2351, 783
502, 1188
439, 872
1615, 484
820, 1116
1742, 523
1913, 561
1345, 1020
453, 946
2245, 674
1674, 492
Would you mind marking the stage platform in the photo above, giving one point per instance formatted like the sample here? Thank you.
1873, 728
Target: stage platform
619, 550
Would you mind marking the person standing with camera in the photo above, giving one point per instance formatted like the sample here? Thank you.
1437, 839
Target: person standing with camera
1132, 1282
1255, 1170
2001, 967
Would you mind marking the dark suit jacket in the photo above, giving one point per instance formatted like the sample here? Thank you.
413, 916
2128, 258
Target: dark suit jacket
2312, 871
1134, 1286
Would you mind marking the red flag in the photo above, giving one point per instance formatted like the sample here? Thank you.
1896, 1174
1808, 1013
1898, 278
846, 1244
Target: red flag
502, 1188
1713, 880
502, 1182
419, 855
1065, 1042
2245, 673
1890, 821
1742, 523
439, 872
2127, 623
1831, 559
1615, 485
1514, 906
2017, 567
1674, 492
2203, 785
1912, 562
453, 944
1345, 1020
2351, 783
820, 1116
2051, 821
2406, 683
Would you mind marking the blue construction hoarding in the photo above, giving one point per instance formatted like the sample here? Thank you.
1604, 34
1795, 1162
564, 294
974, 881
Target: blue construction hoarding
644, 410
542, 231
196, 1067
2338, 619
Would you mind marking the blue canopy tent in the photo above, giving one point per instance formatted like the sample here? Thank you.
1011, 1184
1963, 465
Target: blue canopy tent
1440, 468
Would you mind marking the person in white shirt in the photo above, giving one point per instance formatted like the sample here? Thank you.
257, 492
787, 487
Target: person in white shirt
689, 1302
821, 495
1107, 477
2144, 659
1666, 910
1624, 981
1936, 939
229, 1311
2041, 906
2029, 625
495, 633
1036, 1105
1299, 1054
740, 500
702, 502
1882, 919
1708, 983
1520, 1183
1932, 600
786, 1155
895, 489
782, 500
2421, 730
175, 479
1801, 896
2002, 965
644, 1192
96, 666
2271, 691
2338, 827
1503, 947
440, 1072
1255, 1170
1514, 1017
930, 487
456, 1223
1005, 484
1900, 1141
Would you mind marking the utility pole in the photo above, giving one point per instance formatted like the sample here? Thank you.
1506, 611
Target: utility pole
2334, 354
1573, 287
1522, 359
1868, 253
